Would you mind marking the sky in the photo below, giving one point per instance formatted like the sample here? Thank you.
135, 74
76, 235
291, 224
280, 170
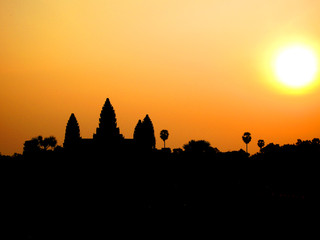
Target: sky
202, 69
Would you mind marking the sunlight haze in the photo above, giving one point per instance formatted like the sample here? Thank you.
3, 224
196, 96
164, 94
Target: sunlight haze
201, 69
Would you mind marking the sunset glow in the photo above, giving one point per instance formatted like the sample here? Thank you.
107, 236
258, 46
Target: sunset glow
200, 69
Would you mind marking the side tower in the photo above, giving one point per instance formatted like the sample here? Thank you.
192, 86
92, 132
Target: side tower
72, 136
138, 132
144, 134
107, 132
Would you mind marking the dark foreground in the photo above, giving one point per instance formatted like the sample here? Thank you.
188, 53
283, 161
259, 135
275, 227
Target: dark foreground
64, 195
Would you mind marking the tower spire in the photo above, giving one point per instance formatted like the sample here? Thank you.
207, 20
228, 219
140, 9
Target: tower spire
107, 130
72, 135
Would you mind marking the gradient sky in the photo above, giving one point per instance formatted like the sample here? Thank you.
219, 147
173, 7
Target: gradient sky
200, 68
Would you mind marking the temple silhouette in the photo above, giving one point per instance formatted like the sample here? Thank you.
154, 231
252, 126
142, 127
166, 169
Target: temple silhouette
109, 176
107, 137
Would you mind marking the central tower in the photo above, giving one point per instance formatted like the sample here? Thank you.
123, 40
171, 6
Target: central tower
107, 132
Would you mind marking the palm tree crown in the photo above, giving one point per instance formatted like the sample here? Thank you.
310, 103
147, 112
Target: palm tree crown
247, 139
261, 144
164, 134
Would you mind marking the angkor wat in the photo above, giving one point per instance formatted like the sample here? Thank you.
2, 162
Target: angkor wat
110, 176
108, 136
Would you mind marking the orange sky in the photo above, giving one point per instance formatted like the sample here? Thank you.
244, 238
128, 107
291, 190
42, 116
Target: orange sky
199, 68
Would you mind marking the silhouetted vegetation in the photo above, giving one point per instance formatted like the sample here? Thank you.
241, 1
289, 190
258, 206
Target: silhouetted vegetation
110, 176
39, 144
164, 134
247, 139
261, 143
199, 147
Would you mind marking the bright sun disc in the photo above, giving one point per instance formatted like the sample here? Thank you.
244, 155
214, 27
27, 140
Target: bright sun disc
296, 66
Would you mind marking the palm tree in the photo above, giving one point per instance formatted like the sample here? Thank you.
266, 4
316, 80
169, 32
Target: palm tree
260, 144
164, 134
246, 138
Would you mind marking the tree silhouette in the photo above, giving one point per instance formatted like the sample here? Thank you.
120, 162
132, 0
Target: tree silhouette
247, 139
271, 148
40, 140
316, 141
200, 146
38, 144
42, 144
177, 151
164, 134
261, 144
31, 146
299, 142
45, 143
51, 142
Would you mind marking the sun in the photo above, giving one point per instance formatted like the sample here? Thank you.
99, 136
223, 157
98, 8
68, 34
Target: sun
296, 66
